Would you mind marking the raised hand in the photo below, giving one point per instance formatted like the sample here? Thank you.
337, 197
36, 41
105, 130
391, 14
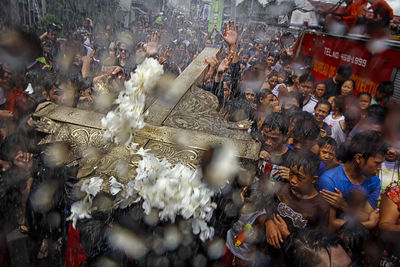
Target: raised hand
152, 44
212, 61
224, 65
230, 33
23, 160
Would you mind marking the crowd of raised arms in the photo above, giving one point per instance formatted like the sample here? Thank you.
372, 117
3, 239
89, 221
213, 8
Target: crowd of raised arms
324, 191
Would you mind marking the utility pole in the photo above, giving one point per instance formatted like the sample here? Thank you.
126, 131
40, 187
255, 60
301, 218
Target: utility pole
43, 7
29, 13
251, 10
233, 10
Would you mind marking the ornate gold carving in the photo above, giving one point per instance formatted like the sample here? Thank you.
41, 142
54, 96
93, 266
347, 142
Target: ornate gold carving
197, 111
175, 153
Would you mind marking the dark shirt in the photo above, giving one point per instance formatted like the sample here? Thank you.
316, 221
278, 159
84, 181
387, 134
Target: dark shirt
332, 88
327, 129
301, 213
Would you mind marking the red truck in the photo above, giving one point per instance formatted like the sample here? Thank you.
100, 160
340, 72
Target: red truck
325, 52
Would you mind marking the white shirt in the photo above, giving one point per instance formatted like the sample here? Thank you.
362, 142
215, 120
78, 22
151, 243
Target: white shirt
310, 105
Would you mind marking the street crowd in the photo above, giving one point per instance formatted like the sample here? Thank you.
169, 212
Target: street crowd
324, 191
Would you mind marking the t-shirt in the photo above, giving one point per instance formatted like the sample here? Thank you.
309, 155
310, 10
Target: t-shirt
246, 249
327, 129
332, 88
310, 105
301, 213
337, 132
336, 178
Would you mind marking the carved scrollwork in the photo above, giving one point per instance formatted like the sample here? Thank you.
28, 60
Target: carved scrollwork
175, 153
197, 111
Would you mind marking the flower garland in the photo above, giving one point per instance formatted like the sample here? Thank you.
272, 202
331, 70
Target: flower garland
121, 122
172, 190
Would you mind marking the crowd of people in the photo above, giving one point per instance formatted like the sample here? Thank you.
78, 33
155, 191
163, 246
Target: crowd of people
324, 191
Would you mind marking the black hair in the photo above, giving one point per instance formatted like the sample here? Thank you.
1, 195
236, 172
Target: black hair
352, 81
305, 159
298, 96
368, 144
318, 83
327, 141
228, 80
274, 54
387, 88
301, 249
307, 77
263, 94
277, 121
49, 81
306, 127
364, 93
345, 71
324, 102
273, 73
376, 114
353, 234
340, 103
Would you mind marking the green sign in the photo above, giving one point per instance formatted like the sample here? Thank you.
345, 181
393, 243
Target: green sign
216, 14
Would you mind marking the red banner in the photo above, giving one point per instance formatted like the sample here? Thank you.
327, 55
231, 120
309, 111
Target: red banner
370, 69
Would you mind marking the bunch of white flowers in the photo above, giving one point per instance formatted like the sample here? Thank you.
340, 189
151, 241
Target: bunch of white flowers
174, 190
82, 208
128, 116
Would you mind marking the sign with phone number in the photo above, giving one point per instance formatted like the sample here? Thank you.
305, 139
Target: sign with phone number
346, 58
354, 60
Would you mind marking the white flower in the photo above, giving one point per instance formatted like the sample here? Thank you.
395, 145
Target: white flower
116, 186
29, 89
174, 190
79, 210
128, 116
142, 151
92, 186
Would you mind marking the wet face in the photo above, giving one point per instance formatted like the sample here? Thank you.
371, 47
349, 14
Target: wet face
364, 101
227, 91
347, 88
302, 144
270, 61
250, 95
63, 94
296, 79
273, 81
327, 153
321, 111
391, 154
245, 57
300, 182
274, 101
123, 50
320, 90
52, 35
273, 140
370, 167
306, 88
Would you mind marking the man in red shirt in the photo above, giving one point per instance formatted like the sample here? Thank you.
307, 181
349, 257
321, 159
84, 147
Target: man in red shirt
383, 13
355, 11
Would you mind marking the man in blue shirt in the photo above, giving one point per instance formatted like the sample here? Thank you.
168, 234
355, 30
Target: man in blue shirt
356, 176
